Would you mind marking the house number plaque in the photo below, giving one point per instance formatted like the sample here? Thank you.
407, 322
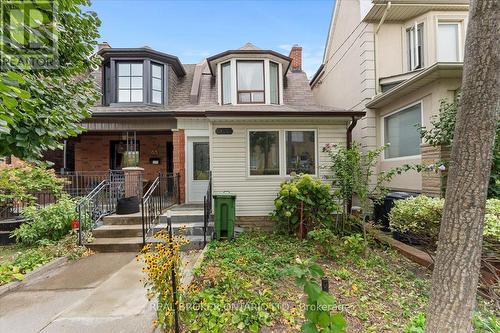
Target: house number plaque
224, 131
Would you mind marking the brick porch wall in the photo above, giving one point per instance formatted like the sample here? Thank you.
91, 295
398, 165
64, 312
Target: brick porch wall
92, 152
179, 142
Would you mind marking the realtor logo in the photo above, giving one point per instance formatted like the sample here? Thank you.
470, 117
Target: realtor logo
29, 34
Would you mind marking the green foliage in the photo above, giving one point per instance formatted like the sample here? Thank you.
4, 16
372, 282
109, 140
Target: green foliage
482, 323
40, 107
352, 171
441, 134
30, 258
421, 216
492, 220
325, 239
50, 223
354, 244
21, 182
442, 125
319, 205
319, 304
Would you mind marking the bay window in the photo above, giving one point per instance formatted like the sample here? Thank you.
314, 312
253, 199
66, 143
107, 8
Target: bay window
448, 42
274, 82
264, 153
130, 82
300, 152
401, 132
250, 81
415, 44
156, 84
226, 83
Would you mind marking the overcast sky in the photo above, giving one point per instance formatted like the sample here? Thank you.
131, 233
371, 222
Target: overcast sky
194, 30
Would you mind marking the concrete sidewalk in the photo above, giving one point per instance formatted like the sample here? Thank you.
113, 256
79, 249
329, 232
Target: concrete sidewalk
101, 293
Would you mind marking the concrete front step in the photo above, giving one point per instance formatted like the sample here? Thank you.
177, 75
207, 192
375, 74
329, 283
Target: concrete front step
123, 244
184, 216
118, 231
187, 229
195, 242
129, 219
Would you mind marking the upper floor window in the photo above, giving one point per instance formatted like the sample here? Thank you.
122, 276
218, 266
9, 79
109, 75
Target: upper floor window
250, 81
415, 41
157, 83
274, 82
130, 82
226, 82
448, 41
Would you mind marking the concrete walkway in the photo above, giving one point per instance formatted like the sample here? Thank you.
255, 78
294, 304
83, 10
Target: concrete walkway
101, 293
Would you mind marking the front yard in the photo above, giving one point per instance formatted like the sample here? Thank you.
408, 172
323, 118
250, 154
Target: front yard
245, 284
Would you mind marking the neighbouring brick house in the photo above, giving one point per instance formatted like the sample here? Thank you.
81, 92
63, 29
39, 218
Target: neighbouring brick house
247, 115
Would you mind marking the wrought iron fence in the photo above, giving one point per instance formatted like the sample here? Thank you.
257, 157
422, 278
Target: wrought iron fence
12, 208
161, 194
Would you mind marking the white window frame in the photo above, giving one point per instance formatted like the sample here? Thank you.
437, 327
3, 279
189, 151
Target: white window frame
413, 51
315, 131
281, 151
234, 84
460, 46
383, 130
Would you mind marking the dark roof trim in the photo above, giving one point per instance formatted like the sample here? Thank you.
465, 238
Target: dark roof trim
285, 113
230, 52
316, 75
133, 114
147, 53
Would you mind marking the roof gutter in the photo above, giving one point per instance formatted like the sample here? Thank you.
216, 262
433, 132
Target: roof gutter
133, 114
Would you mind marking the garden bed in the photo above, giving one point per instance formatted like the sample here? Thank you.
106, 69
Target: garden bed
245, 284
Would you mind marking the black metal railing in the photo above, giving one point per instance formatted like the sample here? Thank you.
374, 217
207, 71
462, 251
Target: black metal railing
207, 207
12, 208
81, 183
161, 195
101, 201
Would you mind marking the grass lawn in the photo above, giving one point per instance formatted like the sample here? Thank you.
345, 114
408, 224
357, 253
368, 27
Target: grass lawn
244, 284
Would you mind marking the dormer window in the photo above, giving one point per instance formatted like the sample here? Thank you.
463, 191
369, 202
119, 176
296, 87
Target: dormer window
274, 83
226, 82
157, 83
250, 80
130, 82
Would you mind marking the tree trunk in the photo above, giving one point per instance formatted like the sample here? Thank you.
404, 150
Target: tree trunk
456, 272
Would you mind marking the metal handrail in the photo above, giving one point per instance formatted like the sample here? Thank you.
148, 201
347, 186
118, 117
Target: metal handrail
157, 198
207, 207
94, 206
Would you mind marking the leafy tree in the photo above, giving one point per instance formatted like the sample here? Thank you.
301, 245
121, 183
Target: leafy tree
441, 134
41, 107
456, 270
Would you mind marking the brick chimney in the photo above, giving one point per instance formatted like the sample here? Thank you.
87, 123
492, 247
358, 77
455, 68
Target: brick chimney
296, 56
103, 45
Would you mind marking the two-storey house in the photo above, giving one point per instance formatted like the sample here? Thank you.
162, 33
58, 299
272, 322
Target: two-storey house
395, 60
247, 115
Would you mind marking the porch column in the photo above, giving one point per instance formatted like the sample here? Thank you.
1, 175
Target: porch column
179, 160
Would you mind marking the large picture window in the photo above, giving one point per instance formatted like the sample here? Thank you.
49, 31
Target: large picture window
156, 84
300, 152
250, 81
401, 132
264, 153
130, 82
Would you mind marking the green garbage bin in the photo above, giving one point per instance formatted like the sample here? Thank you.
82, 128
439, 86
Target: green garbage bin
225, 214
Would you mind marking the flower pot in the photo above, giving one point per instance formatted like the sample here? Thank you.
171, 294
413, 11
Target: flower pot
128, 205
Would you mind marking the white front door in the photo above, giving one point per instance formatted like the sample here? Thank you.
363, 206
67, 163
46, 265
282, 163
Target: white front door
198, 166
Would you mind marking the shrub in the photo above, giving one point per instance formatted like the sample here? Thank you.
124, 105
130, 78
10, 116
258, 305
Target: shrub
421, 217
326, 240
482, 322
21, 182
319, 205
46, 224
